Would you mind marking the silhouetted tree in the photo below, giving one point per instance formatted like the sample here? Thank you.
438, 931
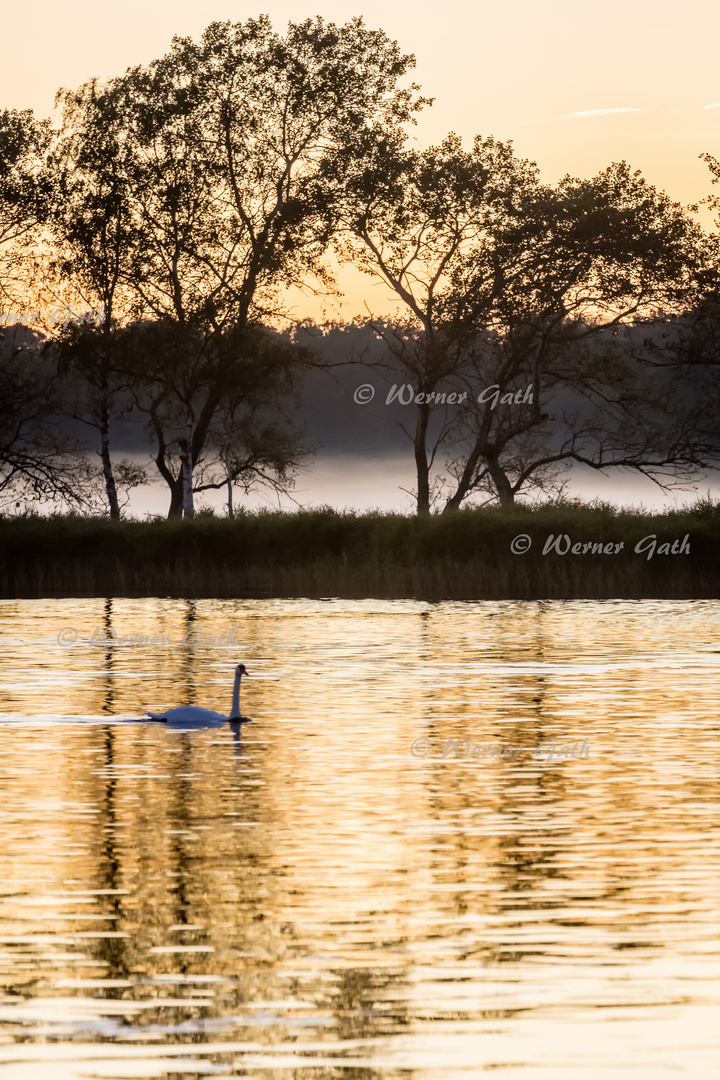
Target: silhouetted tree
409, 217
251, 439
24, 201
586, 260
39, 461
222, 150
505, 280
97, 391
93, 236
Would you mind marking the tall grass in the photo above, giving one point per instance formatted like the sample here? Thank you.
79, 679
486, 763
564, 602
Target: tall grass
325, 553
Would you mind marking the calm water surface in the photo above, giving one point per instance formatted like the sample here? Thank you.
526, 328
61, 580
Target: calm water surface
302, 897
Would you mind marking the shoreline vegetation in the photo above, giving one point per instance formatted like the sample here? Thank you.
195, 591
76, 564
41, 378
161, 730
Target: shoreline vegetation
325, 553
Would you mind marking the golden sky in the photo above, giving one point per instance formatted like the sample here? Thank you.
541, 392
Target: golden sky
575, 86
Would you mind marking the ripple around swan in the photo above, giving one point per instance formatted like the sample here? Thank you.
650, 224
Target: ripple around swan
304, 897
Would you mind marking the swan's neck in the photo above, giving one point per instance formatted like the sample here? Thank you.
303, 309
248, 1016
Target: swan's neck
235, 710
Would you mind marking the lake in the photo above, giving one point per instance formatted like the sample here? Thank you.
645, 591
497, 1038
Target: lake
322, 893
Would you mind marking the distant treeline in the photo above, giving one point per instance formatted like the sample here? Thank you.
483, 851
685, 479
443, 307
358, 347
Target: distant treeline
590, 552
149, 238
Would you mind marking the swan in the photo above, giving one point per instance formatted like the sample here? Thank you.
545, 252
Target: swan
195, 714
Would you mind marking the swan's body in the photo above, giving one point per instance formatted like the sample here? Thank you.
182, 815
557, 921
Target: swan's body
196, 715
189, 714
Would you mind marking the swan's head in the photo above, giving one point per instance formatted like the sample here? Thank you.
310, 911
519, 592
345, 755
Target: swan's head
241, 670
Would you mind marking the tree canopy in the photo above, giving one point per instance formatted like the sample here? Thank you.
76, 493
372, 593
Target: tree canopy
184, 198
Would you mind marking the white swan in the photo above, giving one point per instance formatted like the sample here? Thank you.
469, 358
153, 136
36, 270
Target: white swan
195, 714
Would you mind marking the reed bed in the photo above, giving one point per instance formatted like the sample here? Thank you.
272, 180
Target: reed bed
322, 553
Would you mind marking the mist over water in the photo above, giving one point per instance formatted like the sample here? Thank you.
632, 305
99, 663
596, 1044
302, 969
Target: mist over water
362, 455
387, 483
304, 896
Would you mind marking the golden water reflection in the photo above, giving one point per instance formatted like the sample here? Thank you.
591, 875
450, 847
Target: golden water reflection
302, 897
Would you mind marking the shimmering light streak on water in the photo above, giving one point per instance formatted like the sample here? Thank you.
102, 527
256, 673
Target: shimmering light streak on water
302, 897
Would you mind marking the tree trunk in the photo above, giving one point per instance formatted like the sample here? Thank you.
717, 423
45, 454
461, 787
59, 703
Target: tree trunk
175, 483
464, 483
421, 462
228, 473
501, 482
176, 499
110, 487
505, 493
187, 473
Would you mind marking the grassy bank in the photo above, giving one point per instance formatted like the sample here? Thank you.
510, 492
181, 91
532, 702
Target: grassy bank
324, 553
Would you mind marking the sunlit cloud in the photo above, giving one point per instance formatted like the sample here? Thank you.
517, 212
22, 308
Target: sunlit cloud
698, 108
597, 112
